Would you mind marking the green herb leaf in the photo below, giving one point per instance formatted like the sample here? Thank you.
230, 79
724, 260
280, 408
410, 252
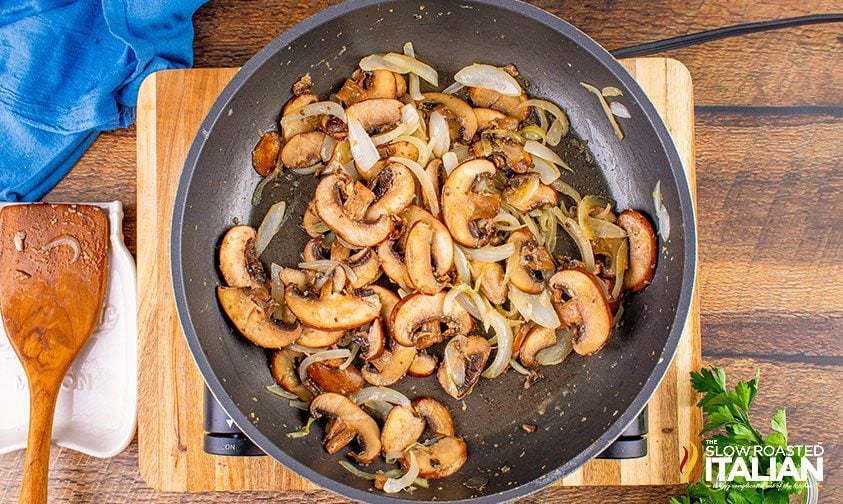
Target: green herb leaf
779, 423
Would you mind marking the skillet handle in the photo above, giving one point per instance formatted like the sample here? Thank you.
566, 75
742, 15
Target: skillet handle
222, 436
632, 443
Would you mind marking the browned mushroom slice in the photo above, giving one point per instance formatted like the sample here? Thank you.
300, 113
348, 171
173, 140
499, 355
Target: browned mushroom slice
387, 298
390, 367
303, 150
295, 127
283, 367
359, 199
491, 277
522, 332
462, 363
393, 189
249, 310
582, 307
239, 262
443, 244
415, 310
376, 114
434, 170
509, 105
318, 338
536, 340
366, 267
371, 340
457, 112
402, 428
392, 262
643, 250
526, 193
312, 224
492, 119
266, 152
398, 149
437, 416
337, 436
369, 85
423, 365
294, 277
315, 250
329, 207
468, 212
424, 273
303, 85
352, 418
332, 311
503, 150
328, 377
524, 267
439, 460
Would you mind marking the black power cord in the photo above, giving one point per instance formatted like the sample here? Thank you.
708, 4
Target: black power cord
719, 33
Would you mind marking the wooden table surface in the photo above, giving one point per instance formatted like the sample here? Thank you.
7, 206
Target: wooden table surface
769, 139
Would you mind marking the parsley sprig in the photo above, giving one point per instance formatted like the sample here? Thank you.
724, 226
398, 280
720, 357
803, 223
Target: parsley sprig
727, 421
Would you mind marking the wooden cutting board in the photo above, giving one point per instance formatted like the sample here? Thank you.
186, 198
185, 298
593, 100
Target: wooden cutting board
171, 106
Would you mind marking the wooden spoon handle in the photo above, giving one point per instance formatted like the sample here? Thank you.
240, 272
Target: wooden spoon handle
42, 405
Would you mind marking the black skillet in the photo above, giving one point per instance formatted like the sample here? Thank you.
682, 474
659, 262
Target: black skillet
584, 403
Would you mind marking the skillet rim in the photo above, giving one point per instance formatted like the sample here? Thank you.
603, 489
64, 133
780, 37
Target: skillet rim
641, 399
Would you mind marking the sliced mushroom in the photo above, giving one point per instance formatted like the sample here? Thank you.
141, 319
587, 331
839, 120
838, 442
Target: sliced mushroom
521, 334
469, 213
329, 207
392, 262
439, 460
492, 119
509, 105
526, 193
387, 298
390, 367
332, 311
491, 277
340, 158
463, 362
312, 224
418, 257
524, 268
358, 201
643, 250
536, 340
401, 429
458, 113
318, 338
398, 149
283, 366
437, 416
369, 85
423, 365
393, 189
582, 307
266, 152
303, 85
249, 310
239, 263
371, 340
411, 313
352, 419
503, 150
434, 170
443, 245
303, 150
376, 114
295, 127
337, 436
328, 377
366, 267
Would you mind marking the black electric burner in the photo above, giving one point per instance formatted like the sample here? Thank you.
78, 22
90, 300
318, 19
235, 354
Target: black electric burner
222, 437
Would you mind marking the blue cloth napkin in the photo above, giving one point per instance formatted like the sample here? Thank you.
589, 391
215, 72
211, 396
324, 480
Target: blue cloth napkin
72, 68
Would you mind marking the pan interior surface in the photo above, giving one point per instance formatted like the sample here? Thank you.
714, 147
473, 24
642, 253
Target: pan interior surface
582, 404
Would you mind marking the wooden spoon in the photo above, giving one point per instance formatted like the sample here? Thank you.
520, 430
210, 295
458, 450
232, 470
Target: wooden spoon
53, 265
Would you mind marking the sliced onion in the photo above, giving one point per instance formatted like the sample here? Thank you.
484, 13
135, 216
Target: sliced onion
276, 290
352, 172
374, 62
535, 307
454, 366
611, 91
354, 349
545, 153
320, 265
503, 333
318, 108
558, 129
390, 136
461, 262
424, 180
620, 110
382, 408
490, 253
303, 349
385, 394
328, 145
521, 301
533, 132
548, 173
621, 259
462, 152
258, 194
585, 207
567, 189
304, 406
584, 246
340, 353
605, 229
453, 88
555, 354
400, 63
450, 161
542, 117
544, 105
488, 77
420, 145
510, 221
606, 110
518, 367
531, 225
440, 140
396, 485
348, 466
363, 150
280, 392
662, 217
304, 431
310, 170
415, 93
270, 225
